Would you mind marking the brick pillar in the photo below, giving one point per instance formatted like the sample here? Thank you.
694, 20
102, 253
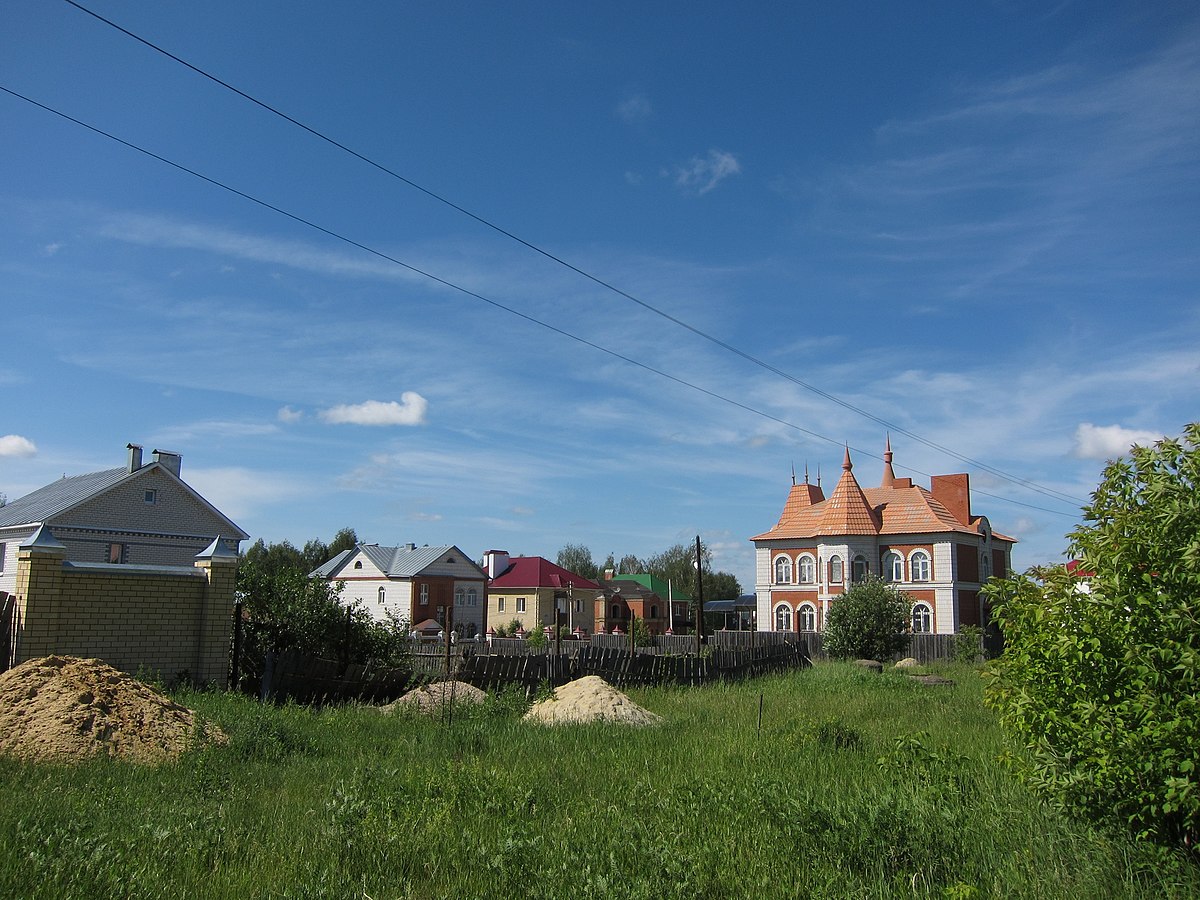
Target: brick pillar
39, 595
215, 625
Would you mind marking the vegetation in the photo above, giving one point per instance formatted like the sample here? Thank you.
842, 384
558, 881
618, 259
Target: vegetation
850, 785
676, 564
1100, 683
869, 621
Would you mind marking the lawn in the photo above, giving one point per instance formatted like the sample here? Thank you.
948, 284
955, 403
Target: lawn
827, 782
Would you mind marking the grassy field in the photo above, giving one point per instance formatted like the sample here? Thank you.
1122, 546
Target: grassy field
855, 785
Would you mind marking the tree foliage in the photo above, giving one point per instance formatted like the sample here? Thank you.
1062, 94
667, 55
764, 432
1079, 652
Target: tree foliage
869, 621
578, 559
1101, 684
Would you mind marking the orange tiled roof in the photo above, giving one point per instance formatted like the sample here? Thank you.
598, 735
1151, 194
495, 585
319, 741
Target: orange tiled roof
895, 508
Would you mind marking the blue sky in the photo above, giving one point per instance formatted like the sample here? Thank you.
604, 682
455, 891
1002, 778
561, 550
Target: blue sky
976, 222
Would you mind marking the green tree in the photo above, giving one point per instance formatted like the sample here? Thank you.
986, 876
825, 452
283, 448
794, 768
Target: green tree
1100, 677
631, 565
721, 586
578, 559
869, 621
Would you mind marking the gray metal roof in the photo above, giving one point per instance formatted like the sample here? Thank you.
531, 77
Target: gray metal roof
395, 562
58, 496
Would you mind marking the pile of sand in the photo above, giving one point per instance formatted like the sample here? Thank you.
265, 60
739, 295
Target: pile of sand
61, 708
590, 699
433, 698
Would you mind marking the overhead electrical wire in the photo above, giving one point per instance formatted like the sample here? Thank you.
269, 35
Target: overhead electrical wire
487, 223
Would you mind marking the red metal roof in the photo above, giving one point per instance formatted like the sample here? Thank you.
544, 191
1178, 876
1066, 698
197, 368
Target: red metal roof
539, 572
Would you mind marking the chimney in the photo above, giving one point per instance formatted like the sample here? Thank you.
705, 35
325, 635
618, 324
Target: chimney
608, 574
954, 493
135, 457
495, 562
169, 460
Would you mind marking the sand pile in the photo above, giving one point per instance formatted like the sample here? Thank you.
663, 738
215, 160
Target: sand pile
61, 708
590, 699
433, 698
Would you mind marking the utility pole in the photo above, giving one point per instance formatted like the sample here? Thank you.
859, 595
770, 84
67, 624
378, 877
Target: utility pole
699, 597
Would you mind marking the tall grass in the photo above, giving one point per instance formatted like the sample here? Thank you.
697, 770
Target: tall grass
849, 785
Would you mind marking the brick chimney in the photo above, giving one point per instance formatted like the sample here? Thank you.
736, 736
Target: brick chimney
495, 562
954, 493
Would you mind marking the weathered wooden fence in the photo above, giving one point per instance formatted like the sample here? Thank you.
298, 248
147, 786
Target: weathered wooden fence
925, 648
8, 629
311, 680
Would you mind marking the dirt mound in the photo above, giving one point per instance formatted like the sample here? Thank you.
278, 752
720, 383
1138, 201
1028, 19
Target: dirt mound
433, 697
61, 708
590, 699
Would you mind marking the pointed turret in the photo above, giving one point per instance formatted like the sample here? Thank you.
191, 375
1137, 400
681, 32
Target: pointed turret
847, 510
889, 475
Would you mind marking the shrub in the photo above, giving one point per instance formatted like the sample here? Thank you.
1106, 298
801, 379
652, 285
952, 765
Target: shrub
967, 644
1100, 678
869, 621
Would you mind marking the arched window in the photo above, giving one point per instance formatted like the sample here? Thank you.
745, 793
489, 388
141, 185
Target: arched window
783, 617
783, 570
381, 594
918, 565
922, 619
654, 612
616, 610
472, 597
806, 568
358, 564
859, 568
835, 570
893, 566
985, 567
459, 596
808, 617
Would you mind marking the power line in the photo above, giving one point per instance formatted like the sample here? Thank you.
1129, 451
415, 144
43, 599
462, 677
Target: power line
466, 291
487, 223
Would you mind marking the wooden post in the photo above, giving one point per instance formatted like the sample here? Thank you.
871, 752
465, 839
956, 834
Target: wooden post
699, 597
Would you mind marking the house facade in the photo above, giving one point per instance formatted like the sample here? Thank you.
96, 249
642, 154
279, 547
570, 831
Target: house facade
926, 541
529, 589
622, 599
140, 514
421, 586
678, 603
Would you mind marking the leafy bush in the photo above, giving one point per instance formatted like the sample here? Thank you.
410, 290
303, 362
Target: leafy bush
967, 644
1099, 677
869, 621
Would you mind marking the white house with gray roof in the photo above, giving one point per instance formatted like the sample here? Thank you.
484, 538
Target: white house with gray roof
141, 514
414, 584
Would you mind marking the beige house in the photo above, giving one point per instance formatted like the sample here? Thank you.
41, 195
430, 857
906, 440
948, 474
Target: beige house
529, 589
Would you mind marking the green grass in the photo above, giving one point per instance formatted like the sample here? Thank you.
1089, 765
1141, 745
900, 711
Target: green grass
857, 785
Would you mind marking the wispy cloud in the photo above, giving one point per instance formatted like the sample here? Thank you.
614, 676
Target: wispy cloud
288, 415
410, 410
14, 445
1109, 441
239, 492
635, 108
195, 432
703, 173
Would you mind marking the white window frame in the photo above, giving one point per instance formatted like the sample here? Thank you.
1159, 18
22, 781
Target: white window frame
893, 566
920, 566
783, 569
922, 618
499, 604
837, 569
782, 619
520, 604
806, 569
472, 597
803, 614
424, 595
859, 563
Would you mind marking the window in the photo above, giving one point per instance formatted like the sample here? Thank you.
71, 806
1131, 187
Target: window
835, 570
472, 597
578, 606
918, 565
358, 564
616, 610
424, 595
806, 568
808, 617
922, 622
520, 604
783, 617
783, 570
654, 612
116, 553
985, 567
500, 605
859, 568
893, 566
151, 496
381, 595
3, 551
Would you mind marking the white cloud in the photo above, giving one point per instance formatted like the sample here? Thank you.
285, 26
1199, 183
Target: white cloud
289, 415
14, 445
240, 492
410, 411
51, 249
1109, 441
635, 108
701, 174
